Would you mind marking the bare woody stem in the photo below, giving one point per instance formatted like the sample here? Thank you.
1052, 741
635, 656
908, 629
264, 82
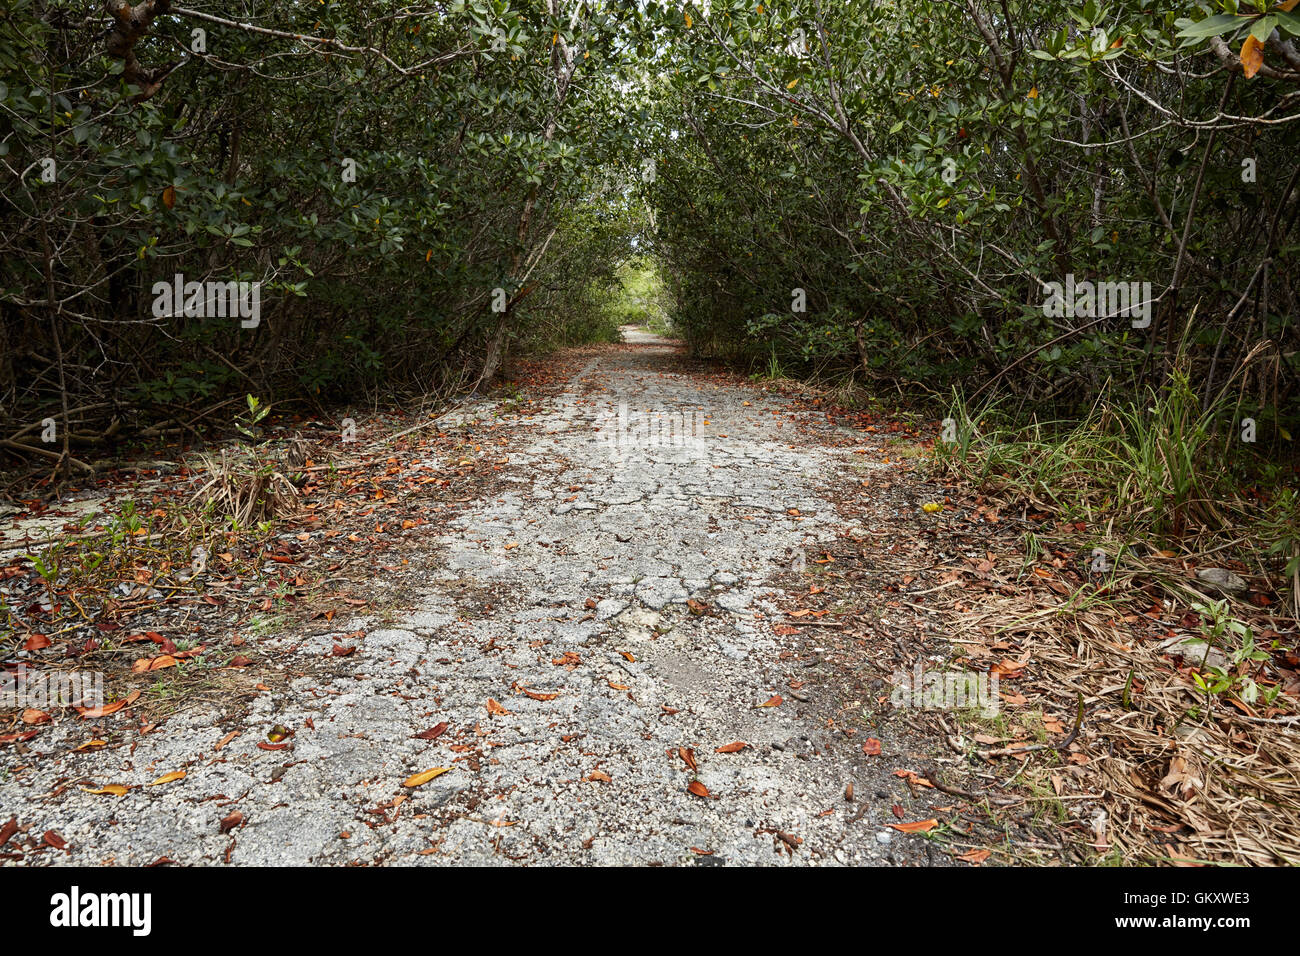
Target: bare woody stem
130, 24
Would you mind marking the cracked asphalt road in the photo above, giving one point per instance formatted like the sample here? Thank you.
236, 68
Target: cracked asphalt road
603, 620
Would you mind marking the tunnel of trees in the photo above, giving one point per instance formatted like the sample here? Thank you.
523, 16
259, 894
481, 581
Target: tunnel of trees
878, 193
994, 303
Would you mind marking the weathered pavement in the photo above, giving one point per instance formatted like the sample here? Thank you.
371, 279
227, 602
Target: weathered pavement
630, 587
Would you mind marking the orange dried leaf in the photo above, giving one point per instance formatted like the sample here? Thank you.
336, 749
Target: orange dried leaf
109, 708
920, 826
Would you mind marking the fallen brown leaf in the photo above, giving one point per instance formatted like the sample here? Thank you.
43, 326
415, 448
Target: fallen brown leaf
434, 732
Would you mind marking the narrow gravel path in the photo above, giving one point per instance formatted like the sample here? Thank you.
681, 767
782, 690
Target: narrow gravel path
598, 623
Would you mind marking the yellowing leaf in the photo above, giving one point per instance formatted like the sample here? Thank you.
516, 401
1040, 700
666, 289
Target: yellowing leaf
1033, 93
1252, 57
169, 777
792, 84
112, 790
419, 779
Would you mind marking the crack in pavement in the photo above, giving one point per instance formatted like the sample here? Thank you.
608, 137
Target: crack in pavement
624, 578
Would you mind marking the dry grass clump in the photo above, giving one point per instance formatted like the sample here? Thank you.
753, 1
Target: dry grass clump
246, 487
1187, 753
